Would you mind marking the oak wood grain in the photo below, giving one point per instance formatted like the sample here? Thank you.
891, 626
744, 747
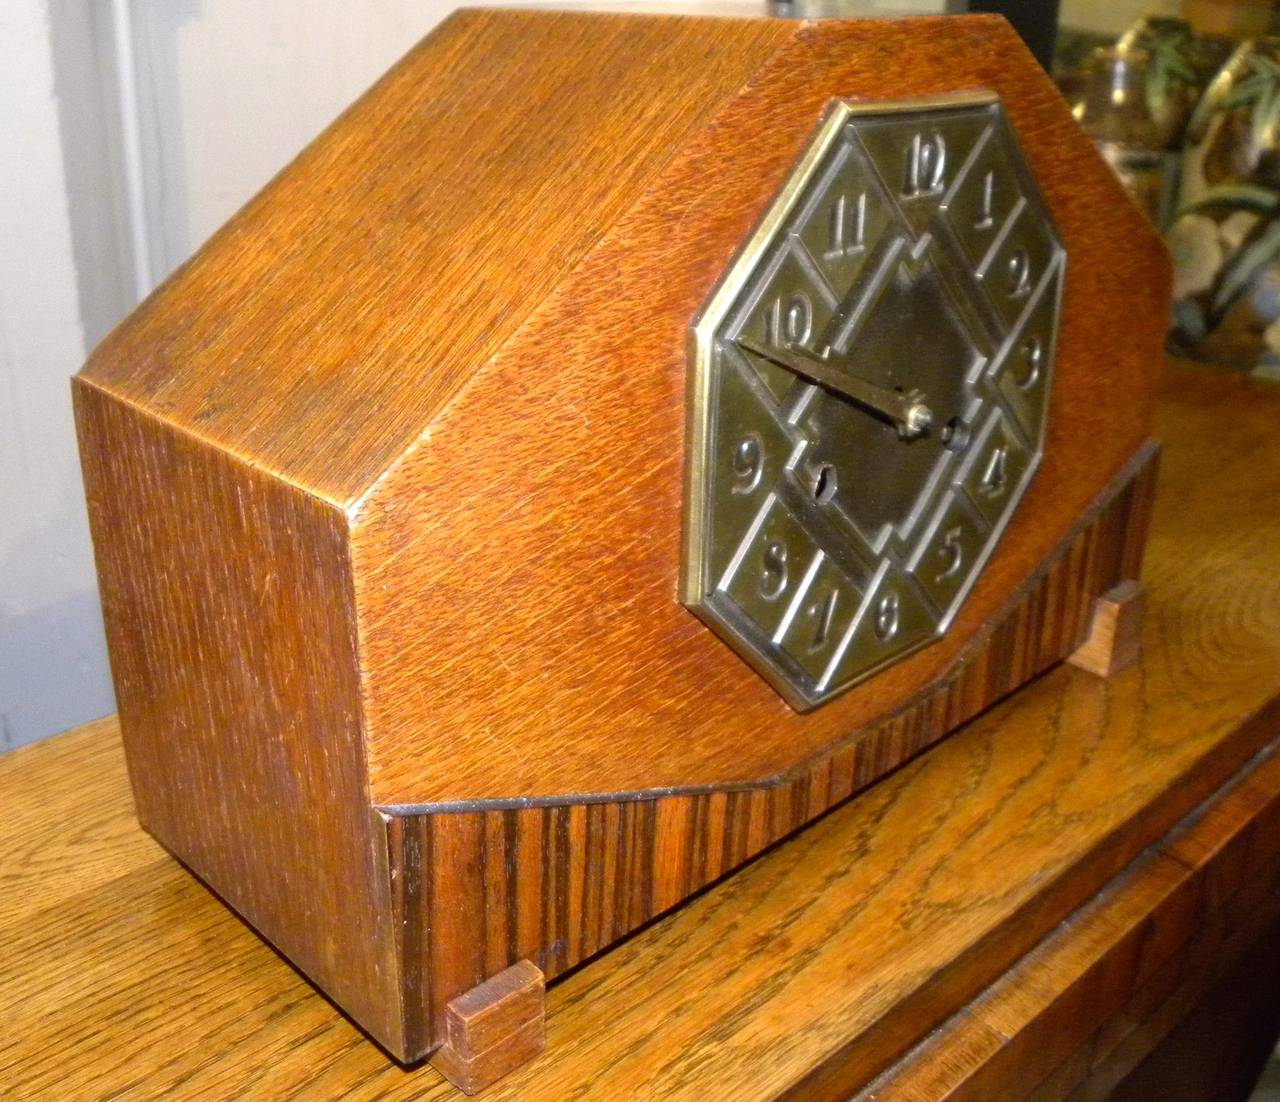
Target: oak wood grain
122, 976
544, 551
1115, 634
493, 1028
226, 602
525, 215
1130, 964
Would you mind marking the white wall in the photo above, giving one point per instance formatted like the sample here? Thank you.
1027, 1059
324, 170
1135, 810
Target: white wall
230, 90
52, 661
226, 92
243, 85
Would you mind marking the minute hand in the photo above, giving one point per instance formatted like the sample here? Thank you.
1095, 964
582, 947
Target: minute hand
907, 411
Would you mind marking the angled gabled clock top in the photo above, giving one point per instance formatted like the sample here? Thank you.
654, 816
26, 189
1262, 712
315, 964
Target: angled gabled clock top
319, 350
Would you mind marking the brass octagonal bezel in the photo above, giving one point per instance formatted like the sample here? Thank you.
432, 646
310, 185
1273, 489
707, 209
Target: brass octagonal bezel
696, 588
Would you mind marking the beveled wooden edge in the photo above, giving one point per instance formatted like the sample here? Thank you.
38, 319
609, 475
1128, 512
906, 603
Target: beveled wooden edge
1147, 454
132, 362
191, 512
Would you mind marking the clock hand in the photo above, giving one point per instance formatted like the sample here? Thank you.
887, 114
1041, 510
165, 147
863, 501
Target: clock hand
907, 411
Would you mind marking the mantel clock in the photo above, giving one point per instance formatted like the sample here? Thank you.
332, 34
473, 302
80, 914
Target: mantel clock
614, 442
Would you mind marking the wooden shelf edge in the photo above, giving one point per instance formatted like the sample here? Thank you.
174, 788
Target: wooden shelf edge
1137, 956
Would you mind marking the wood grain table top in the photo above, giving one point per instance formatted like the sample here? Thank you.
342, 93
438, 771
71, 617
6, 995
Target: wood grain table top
1022, 912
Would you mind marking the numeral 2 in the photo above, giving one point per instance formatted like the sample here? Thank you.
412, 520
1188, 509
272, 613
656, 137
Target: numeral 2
1019, 274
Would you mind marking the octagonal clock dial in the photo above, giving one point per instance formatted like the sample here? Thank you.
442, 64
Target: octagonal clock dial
870, 383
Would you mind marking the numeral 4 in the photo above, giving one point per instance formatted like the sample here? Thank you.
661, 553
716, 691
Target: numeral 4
995, 479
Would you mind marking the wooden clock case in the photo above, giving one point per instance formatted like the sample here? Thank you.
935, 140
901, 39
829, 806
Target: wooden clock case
385, 490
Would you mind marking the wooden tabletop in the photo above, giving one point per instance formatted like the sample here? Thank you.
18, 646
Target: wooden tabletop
1022, 912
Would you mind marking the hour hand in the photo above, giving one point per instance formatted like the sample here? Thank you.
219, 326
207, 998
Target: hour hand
906, 410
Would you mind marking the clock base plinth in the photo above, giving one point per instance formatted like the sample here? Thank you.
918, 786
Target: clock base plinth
493, 1028
555, 883
1115, 636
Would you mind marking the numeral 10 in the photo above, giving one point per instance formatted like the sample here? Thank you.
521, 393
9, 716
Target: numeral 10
789, 322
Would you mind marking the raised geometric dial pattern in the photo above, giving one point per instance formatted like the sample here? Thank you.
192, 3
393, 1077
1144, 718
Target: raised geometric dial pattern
870, 386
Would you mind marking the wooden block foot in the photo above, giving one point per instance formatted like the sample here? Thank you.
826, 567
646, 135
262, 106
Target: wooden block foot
493, 1028
1115, 637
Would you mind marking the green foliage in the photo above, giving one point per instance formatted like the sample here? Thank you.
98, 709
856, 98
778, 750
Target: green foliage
1259, 94
1237, 196
1237, 274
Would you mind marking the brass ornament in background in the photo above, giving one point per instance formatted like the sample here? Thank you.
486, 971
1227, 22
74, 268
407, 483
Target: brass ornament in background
869, 384
1115, 110
1225, 242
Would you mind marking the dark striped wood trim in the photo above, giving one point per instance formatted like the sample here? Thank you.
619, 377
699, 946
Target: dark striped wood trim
475, 891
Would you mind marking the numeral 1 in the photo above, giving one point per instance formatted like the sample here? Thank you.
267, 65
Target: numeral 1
986, 215
824, 612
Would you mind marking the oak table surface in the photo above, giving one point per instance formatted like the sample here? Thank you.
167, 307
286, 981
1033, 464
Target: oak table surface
1022, 912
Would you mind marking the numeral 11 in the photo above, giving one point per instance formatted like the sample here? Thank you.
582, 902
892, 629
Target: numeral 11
848, 227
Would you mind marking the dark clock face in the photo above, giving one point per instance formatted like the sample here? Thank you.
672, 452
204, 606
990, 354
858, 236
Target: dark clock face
870, 387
